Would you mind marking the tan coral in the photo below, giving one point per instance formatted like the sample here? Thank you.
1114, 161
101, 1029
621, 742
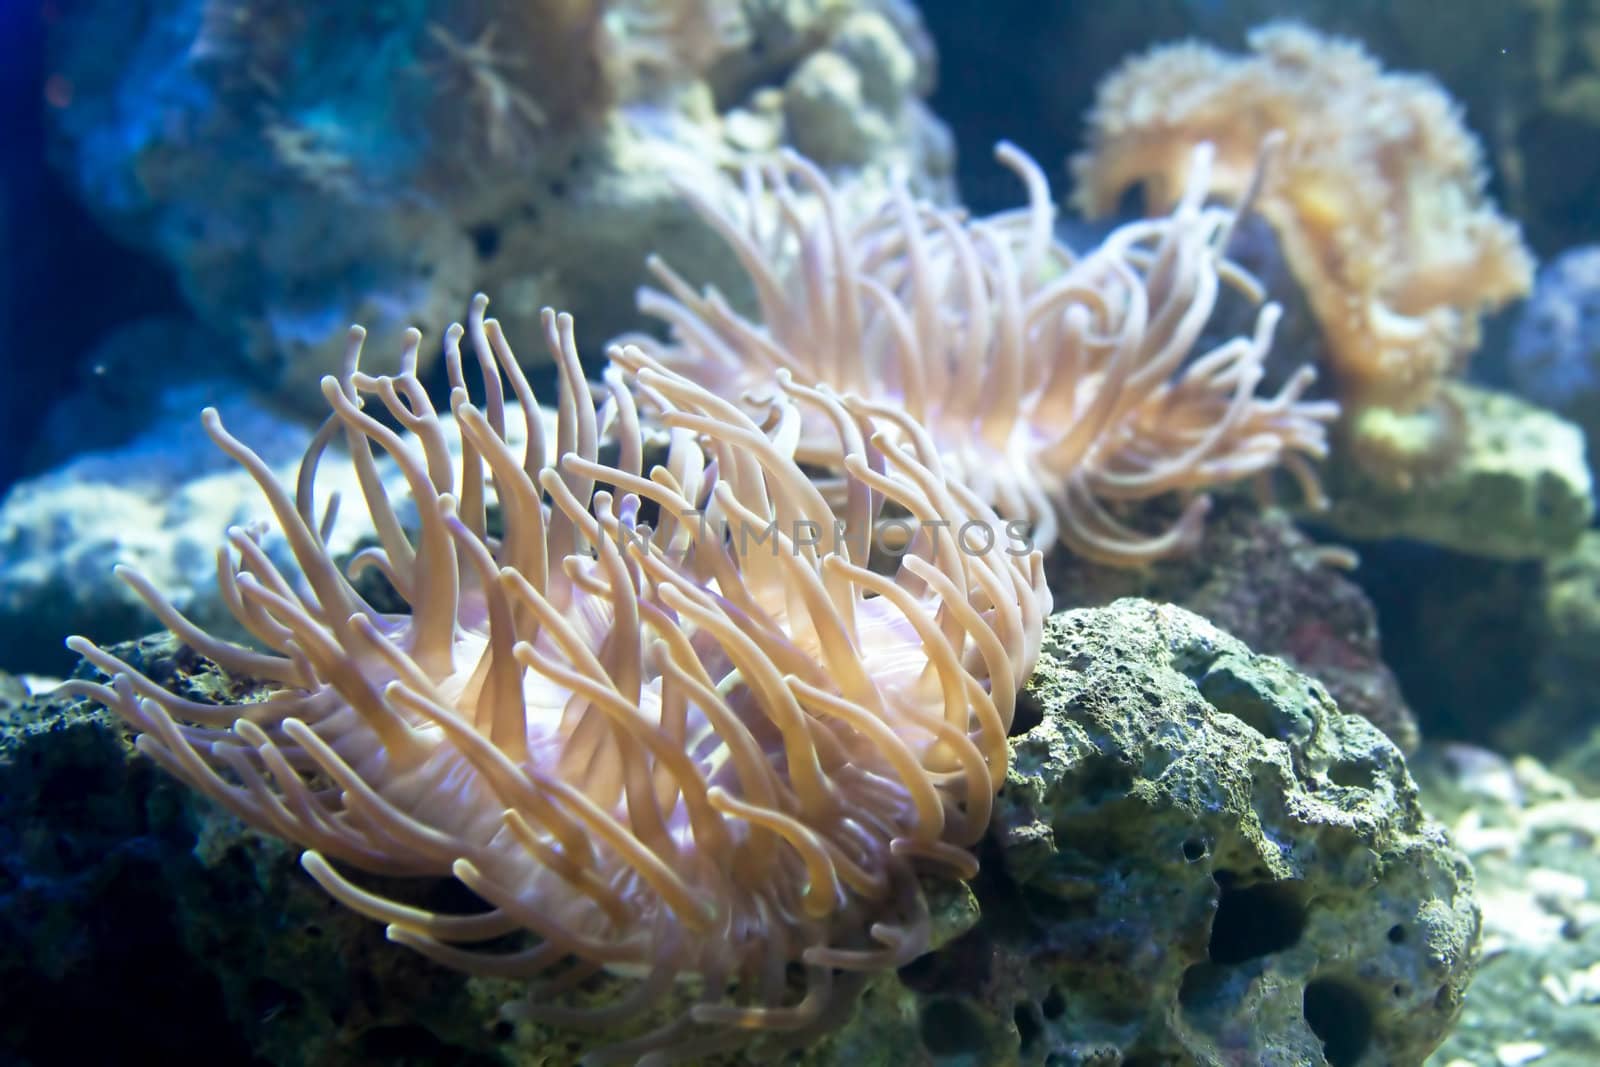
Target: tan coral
1376, 196
667, 721
1057, 386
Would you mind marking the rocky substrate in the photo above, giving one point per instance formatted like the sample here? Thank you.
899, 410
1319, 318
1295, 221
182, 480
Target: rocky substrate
1195, 859
1533, 837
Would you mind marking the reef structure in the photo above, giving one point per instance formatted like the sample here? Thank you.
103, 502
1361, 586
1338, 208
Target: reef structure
1376, 197
315, 165
1196, 856
674, 727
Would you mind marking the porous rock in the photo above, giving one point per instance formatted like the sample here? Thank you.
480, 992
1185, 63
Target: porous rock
316, 165
1258, 576
1198, 859
162, 502
1195, 859
1517, 488
189, 934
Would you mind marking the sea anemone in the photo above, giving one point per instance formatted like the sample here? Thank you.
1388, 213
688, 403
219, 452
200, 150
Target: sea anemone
1056, 386
671, 723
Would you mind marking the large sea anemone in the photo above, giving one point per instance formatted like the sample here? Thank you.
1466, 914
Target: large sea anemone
1058, 386
667, 724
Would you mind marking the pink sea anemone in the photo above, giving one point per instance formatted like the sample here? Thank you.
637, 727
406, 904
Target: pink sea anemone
712, 745
1057, 386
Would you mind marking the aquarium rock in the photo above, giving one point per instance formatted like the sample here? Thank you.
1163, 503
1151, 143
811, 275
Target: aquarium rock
1557, 715
1554, 356
1518, 488
1195, 855
161, 502
1257, 576
1205, 861
115, 877
302, 166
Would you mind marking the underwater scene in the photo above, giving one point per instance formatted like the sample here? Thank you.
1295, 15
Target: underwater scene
817, 532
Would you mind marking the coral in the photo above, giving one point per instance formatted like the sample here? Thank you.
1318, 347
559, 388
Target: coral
642, 43
674, 727
1555, 351
1376, 195
301, 165
509, 112
1055, 385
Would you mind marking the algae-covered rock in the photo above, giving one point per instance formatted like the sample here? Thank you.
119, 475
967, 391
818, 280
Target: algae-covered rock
1518, 487
1557, 717
1257, 576
192, 937
1203, 861
1195, 859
